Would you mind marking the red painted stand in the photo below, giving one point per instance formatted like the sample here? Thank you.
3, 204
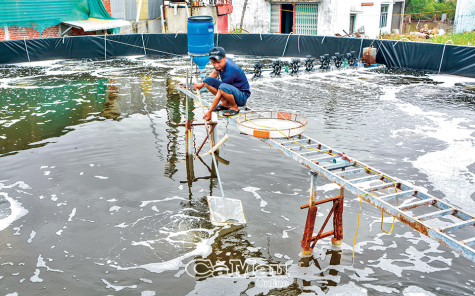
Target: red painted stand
309, 240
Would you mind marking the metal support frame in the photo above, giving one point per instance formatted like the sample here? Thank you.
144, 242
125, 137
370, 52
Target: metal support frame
309, 241
343, 173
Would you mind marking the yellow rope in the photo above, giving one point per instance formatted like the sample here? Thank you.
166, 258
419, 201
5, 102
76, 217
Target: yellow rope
333, 154
403, 14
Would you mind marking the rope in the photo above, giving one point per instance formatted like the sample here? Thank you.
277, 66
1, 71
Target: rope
332, 154
285, 48
150, 49
143, 43
26, 48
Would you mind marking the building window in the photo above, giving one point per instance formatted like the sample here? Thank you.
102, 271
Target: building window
352, 23
383, 21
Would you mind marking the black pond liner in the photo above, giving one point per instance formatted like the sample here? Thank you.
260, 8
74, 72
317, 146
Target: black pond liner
447, 59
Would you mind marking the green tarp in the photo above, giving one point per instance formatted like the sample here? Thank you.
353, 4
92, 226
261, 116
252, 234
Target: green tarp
41, 14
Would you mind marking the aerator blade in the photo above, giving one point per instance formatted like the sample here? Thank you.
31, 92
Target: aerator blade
225, 211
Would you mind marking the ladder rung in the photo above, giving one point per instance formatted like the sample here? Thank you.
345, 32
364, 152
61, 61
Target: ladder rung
339, 165
365, 178
469, 241
294, 142
325, 159
435, 214
415, 204
379, 186
313, 152
457, 225
350, 172
297, 148
397, 194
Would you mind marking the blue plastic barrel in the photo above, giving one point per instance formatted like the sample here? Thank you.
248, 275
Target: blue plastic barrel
200, 39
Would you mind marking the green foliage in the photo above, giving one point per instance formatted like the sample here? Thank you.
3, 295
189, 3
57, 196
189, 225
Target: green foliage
426, 9
467, 39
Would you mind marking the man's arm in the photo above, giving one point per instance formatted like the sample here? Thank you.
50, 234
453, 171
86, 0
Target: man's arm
213, 74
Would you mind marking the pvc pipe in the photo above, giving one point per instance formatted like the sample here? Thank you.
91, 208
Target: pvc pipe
163, 19
442, 58
187, 12
139, 9
216, 147
105, 47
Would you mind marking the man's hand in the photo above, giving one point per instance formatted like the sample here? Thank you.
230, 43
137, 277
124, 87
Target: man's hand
207, 116
198, 85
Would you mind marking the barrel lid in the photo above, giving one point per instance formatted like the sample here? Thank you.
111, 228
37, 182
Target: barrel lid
200, 18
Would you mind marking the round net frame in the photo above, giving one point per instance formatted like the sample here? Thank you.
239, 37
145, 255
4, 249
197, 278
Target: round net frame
271, 124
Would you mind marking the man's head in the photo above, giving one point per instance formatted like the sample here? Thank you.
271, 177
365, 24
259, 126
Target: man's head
217, 55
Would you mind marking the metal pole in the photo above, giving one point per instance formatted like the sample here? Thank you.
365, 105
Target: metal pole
311, 216
212, 151
338, 219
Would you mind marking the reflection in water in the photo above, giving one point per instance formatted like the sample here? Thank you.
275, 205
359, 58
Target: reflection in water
335, 259
174, 118
31, 113
167, 227
111, 107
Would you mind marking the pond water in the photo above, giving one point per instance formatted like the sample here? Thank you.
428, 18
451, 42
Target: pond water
97, 197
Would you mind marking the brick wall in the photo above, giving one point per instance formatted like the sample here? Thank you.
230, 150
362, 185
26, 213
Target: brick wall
29, 33
107, 5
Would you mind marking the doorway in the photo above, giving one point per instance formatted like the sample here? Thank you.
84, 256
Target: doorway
287, 19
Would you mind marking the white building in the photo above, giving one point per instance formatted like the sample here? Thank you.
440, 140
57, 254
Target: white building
465, 16
319, 17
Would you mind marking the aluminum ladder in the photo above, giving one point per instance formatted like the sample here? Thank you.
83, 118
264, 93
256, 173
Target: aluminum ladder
379, 189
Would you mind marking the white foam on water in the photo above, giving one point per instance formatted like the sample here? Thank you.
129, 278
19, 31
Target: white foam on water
42, 263
143, 243
12, 294
254, 190
416, 291
148, 293
448, 169
101, 177
145, 203
46, 63
203, 249
114, 209
36, 277
285, 232
20, 184
381, 289
17, 211
146, 280
449, 80
347, 289
73, 213
32, 236
116, 287
227, 287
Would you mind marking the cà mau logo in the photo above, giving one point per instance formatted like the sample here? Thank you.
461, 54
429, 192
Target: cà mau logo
204, 268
